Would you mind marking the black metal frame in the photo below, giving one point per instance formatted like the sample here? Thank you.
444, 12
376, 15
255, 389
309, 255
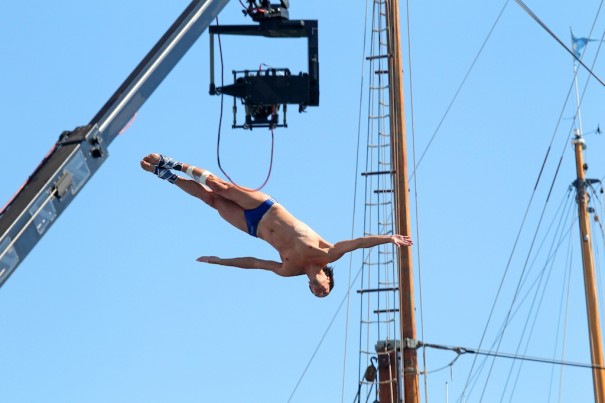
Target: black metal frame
265, 91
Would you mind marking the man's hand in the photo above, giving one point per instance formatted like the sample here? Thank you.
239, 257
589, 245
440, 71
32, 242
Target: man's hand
243, 263
368, 241
401, 240
208, 259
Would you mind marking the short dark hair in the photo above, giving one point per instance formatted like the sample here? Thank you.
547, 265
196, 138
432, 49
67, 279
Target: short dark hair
329, 271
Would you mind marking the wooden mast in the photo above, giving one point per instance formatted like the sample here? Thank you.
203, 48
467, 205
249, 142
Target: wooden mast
402, 215
590, 285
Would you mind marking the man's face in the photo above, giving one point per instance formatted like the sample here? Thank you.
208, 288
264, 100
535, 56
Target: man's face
320, 288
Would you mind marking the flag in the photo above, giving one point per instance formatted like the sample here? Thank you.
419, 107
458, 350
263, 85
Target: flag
578, 43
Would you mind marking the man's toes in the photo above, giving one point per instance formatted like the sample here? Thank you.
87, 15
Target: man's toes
147, 166
152, 159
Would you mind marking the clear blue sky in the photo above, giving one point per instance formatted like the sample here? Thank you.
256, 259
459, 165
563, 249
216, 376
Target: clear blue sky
111, 305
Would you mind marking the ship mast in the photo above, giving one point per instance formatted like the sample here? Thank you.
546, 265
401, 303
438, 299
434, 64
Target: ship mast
590, 285
402, 214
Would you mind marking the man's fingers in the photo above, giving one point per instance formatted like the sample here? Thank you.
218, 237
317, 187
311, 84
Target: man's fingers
205, 259
401, 240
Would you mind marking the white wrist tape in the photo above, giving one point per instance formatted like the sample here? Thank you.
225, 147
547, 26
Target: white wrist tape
201, 178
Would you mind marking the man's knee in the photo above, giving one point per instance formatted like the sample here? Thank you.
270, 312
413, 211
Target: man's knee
216, 184
207, 197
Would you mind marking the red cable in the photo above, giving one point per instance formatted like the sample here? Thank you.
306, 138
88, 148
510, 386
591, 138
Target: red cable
218, 142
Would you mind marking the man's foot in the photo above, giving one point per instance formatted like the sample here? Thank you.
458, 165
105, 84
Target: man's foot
157, 164
150, 162
162, 161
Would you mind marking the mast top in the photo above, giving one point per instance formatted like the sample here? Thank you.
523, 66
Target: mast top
578, 139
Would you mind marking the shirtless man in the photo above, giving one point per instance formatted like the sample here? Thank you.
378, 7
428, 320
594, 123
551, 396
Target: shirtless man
302, 250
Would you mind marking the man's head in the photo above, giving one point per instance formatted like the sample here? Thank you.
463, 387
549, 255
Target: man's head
324, 282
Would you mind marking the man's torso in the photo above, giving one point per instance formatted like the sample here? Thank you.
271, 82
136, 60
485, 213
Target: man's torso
298, 245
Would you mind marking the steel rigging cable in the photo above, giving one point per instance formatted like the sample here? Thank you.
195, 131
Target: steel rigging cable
571, 52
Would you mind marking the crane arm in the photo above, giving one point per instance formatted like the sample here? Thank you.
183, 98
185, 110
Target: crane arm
78, 154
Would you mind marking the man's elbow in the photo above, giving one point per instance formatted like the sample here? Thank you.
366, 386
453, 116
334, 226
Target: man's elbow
277, 269
335, 254
270, 266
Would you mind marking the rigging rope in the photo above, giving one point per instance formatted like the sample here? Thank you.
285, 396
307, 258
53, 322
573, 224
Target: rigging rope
514, 313
354, 212
577, 115
566, 282
323, 337
523, 271
598, 262
550, 262
560, 119
466, 350
468, 72
416, 165
571, 52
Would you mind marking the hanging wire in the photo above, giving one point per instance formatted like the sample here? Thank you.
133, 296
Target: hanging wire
220, 123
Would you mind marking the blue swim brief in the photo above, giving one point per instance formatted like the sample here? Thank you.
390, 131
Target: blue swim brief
254, 216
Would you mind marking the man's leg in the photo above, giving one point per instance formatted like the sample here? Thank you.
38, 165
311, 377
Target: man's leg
229, 210
247, 199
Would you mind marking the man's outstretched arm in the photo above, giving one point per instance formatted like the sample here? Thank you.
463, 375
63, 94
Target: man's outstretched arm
342, 247
243, 263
